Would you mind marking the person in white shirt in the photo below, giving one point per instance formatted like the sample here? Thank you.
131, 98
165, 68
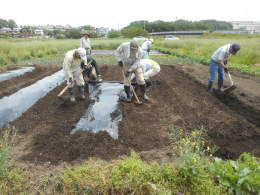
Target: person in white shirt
150, 68
128, 57
73, 71
146, 47
218, 63
85, 43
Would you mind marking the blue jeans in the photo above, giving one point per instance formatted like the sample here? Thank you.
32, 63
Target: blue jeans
216, 67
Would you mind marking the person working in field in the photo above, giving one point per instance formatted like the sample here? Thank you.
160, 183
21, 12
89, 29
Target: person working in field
86, 44
73, 71
218, 64
150, 68
146, 47
128, 57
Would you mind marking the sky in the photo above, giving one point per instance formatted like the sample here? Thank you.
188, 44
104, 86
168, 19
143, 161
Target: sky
117, 14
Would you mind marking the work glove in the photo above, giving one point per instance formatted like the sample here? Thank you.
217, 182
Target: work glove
148, 50
120, 63
226, 70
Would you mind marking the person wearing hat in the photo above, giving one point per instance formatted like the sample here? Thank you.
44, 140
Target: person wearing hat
85, 43
146, 47
128, 57
218, 64
73, 71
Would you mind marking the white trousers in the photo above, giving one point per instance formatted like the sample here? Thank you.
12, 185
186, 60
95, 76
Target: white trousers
77, 78
139, 77
151, 72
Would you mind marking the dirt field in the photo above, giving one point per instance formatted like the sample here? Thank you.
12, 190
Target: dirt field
10, 86
44, 144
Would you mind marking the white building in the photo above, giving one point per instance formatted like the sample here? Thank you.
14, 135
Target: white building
251, 26
39, 32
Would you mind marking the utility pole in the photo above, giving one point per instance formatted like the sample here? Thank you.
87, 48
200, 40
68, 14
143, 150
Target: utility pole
144, 24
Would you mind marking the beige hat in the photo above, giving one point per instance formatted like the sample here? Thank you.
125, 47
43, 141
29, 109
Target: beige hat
81, 52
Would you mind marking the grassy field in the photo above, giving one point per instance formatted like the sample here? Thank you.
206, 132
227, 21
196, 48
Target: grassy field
13, 51
191, 50
201, 49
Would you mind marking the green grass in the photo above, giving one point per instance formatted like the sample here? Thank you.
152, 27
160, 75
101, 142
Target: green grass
13, 51
12, 180
201, 49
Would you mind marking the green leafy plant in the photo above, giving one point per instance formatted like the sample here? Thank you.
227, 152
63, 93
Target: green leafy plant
239, 177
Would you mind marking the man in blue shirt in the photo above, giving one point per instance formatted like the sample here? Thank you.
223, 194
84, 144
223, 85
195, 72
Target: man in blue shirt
218, 63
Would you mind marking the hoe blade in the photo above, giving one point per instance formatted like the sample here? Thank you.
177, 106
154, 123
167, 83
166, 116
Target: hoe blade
229, 89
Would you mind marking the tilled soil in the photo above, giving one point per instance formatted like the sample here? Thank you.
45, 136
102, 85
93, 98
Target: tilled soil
177, 100
12, 85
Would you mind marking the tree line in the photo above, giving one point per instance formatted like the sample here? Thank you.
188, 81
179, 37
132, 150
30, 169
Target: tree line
7, 23
181, 25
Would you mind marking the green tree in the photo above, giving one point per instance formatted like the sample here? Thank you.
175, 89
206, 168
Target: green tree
114, 34
134, 31
73, 33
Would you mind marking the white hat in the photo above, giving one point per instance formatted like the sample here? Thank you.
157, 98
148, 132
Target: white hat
81, 52
150, 40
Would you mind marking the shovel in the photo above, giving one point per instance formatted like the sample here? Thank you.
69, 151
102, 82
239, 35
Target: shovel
231, 87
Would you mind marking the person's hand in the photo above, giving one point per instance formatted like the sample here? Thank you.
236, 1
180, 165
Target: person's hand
127, 73
225, 62
148, 50
226, 70
120, 63
70, 80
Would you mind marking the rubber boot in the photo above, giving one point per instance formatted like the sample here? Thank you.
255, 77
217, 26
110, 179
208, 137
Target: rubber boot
82, 92
148, 85
210, 84
220, 85
143, 90
99, 78
127, 91
71, 93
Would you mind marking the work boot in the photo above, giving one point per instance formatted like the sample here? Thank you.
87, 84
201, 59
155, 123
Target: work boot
127, 91
143, 90
82, 92
99, 78
148, 85
220, 85
210, 84
71, 93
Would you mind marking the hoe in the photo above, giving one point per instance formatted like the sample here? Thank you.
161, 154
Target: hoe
231, 87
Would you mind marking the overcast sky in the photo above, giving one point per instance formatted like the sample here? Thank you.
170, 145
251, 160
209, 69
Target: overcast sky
119, 13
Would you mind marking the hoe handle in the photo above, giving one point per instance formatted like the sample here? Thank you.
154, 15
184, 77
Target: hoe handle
63, 90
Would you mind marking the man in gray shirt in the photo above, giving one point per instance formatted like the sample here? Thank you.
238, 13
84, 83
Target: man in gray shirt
218, 63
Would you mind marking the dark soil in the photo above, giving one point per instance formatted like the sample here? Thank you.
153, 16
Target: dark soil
177, 100
12, 85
